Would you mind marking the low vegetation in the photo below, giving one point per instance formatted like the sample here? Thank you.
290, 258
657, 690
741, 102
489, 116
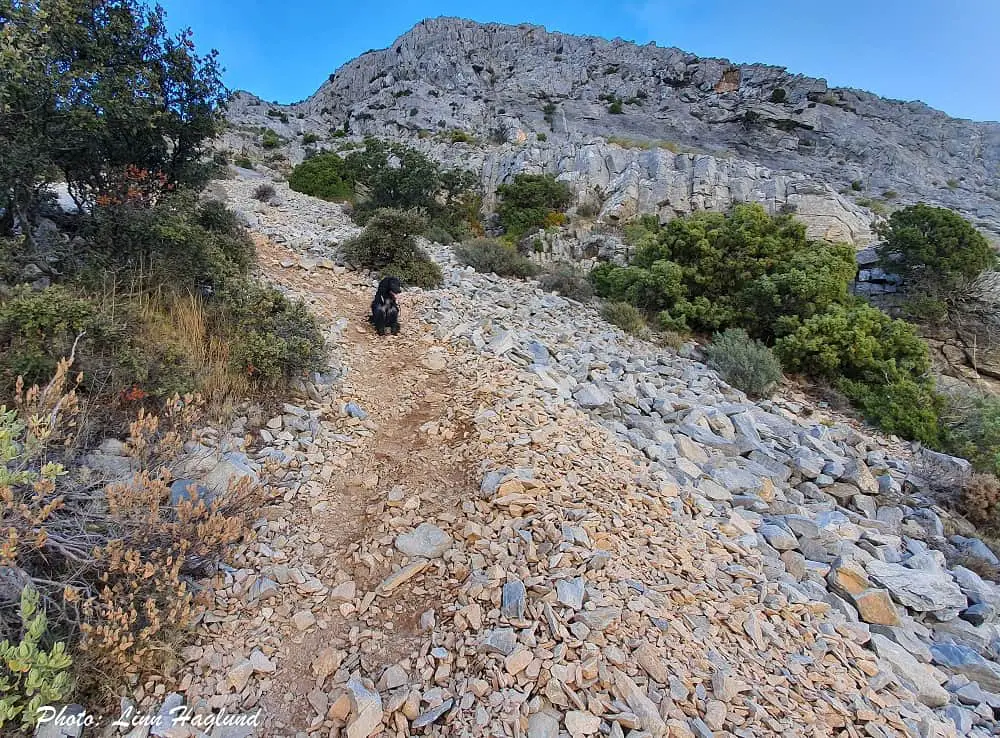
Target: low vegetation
129, 318
388, 246
744, 362
567, 281
749, 270
626, 316
531, 202
488, 255
759, 281
389, 175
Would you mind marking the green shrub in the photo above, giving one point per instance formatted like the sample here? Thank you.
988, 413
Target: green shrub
458, 136
565, 280
935, 250
264, 192
528, 201
952, 184
541, 137
778, 95
416, 272
30, 675
272, 338
243, 161
178, 243
388, 245
973, 431
804, 284
878, 362
743, 362
625, 316
323, 175
615, 108
857, 342
270, 140
438, 234
712, 271
906, 407
857, 185
875, 206
486, 255
309, 138
656, 288
38, 328
396, 176
890, 195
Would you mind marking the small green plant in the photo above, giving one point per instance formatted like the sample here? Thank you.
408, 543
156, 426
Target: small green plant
309, 138
778, 95
323, 175
243, 161
615, 108
272, 338
264, 192
486, 255
952, 184
541, 136
857, 185
30, 675
388, 246
530, 202
876, 206
566, 281
625, 316
283, 117
743, 362
459, 136
269, 139
890, 195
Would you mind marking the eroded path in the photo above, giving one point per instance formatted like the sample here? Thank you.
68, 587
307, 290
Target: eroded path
390, 589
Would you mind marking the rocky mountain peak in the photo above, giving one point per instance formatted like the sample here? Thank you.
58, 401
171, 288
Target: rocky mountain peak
653, 129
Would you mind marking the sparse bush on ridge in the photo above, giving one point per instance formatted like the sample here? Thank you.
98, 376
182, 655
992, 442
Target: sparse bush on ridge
625, 316
566, 281
264, 192
744, 362
487, 255
388, 246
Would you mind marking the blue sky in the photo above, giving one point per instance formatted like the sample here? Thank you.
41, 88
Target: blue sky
944, 52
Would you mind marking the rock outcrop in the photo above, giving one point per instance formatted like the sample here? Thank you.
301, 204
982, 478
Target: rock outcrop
691, 133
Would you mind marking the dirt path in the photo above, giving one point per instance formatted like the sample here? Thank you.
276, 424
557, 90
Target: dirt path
577, 591
405, 395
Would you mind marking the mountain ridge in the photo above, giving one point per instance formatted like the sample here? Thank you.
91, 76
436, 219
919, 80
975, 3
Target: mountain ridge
533, 98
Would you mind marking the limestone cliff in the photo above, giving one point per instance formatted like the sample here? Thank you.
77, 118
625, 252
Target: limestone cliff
692, 133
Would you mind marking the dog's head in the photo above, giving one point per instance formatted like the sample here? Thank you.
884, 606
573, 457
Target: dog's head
390, 286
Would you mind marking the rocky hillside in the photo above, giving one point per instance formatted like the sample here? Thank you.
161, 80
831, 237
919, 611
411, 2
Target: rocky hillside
545, 529
649, 129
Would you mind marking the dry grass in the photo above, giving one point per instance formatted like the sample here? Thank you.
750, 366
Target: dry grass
635, 143
182, 322
209, 352
111, 565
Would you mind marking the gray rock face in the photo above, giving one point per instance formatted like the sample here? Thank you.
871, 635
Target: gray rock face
923, 591
799, 142
966, 661
911, 672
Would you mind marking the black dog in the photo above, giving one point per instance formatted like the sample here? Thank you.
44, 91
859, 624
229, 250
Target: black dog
385, 311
